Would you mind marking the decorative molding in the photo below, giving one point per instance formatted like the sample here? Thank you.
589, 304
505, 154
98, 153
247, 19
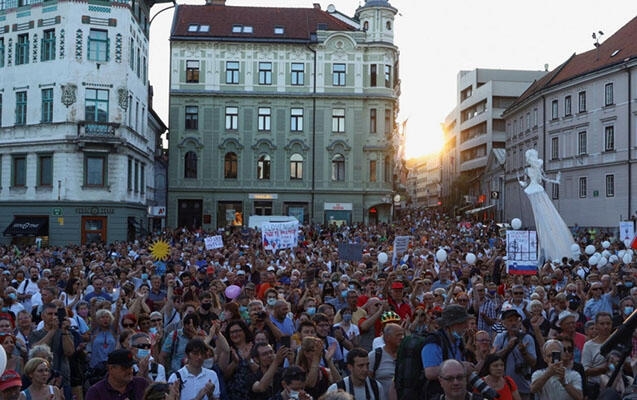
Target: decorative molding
339, 144
78, 44
122, 98
97, 85
62, 41
296, 143
69, 94
231, 142
118, 48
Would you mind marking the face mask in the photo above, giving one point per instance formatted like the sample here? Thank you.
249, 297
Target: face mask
628, 310
311, 311
243, 309
611, 368
12, 296
456, 335
144, 277
222, 316
293, 394
152, 330
547, 287
344, 293
271, 302
347, 317
628, 284
206, 306
327, 298
142, 353
5, 309
492, 292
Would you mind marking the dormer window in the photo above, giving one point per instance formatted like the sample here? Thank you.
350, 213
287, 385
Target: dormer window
193, 28
242, 29
279, 30
248, 29
204, 28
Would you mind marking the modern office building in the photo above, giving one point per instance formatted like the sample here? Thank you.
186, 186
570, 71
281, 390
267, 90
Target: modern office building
283, 111
581, 119
78, 139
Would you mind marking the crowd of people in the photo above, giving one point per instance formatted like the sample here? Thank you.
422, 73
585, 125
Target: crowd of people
109, 321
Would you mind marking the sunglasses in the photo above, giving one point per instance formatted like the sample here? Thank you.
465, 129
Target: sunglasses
128, 325
142, 346
156, 320
568, 349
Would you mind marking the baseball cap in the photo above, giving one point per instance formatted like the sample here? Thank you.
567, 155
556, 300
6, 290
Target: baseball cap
397, 285
453, 314
121, 357
508, 310
10, 379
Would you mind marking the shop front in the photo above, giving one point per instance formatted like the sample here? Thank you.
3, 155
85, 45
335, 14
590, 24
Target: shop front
337, 213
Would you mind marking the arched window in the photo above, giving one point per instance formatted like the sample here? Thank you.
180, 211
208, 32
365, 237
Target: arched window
190, 165
338, 167
296, 166
263, 167
230, 165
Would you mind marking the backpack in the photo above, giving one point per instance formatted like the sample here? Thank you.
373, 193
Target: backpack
409, 377
378, 356
373, 383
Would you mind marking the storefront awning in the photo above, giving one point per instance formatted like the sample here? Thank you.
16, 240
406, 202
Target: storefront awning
28, 226
480, 209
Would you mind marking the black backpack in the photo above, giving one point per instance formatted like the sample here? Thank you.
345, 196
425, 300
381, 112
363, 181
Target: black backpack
409, 377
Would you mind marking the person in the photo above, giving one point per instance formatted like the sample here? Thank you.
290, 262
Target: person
267, 378
161, 391
147, 366
10, 384
293, 385
453, 323
382, 360
318, 378
359, 383
598, 301
14, 358
119, 382
452, 377
621, 381
238, 369
555, 381
103, 340
493, 374
202, 382
39, 371
173, 350
594, 363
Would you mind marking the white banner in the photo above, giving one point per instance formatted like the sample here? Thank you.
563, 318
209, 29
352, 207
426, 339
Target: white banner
627, 230
213, 242
401, 244
279, 235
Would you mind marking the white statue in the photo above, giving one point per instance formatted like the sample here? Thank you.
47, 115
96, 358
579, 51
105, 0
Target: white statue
554, 236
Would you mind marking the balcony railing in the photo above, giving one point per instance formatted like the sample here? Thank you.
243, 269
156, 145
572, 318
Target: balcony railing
91, 128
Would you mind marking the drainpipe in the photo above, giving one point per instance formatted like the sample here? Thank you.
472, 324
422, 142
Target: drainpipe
313, 189
630, 145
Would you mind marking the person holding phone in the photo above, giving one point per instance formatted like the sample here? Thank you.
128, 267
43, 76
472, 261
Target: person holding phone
555, 381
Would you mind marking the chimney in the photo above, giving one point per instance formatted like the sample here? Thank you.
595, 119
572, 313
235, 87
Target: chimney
317, 6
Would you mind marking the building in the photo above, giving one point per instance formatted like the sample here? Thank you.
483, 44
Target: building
78, 139
282, 111
581, 119
473, 129
424, 181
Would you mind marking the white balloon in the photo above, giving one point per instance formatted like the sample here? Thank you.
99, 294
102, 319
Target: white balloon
606, 253
470, 258
627, 243
621, 253
516, 223
575, 248
627, 259
382, 258
602, 261
441, 255
3, 360
605, 244
590, 249
613, 259
593, 260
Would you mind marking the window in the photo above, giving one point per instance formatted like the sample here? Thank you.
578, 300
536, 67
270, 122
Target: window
372, 120
279, 30
554, 109
22, 49
129, 178
609, 138
296, 166
192, 71
388, 76
1, 52
264, 118
192, 117
98, 45
338, 75
21, 108
142, 177
45, 170
47, 105
19, 173
608, 94
338, 168
567, 106
232, 118
131, 51
263, 167
230, 164
373, 75
581, 97
535, 115
372, 170
48, 45
298, 74
338, 120
387, 169
232, 72
582, 187
388, 124
265, 73
95, 170
528, 121
136, 177
190, 165
581, 143
296, 120
193, 27
610, 185
96, 108
0, 110
555, 148
555, 191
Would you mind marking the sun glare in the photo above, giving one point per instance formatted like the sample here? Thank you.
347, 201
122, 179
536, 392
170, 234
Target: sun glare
419, 144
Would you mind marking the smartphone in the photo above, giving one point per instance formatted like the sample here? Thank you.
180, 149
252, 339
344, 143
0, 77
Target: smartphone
61, 313
556, 356
285, 341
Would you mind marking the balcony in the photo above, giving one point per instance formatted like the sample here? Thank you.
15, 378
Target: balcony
91, 133
91, 128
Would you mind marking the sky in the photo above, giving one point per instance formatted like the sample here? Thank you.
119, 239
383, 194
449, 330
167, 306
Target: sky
437, 39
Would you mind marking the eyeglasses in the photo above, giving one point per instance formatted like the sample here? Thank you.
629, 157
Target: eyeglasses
128, 325
156, 320
459, 378
568, 349
235, 331
142, 346
516, 293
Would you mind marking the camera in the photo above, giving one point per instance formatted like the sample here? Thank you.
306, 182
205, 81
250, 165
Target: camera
480, 385
261, 315
556, 356
61, 314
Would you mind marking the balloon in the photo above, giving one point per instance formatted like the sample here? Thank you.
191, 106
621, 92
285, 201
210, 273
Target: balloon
613, 259
232, 292
605, 244
382, 258
575, 248
627, 243
627, 258
590, 249
516, 223
606, 253
3, 360
621, 253
602, 261
470, 258
441, 255
593, 260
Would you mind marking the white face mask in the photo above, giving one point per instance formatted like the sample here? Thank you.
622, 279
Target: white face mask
293, 394
142, 353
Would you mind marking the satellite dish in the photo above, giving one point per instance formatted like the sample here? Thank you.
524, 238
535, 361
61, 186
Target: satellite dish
331, 8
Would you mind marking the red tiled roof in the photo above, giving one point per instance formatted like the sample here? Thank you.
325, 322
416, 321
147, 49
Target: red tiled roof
298, 23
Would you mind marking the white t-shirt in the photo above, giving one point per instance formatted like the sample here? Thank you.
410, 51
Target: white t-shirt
192, 384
